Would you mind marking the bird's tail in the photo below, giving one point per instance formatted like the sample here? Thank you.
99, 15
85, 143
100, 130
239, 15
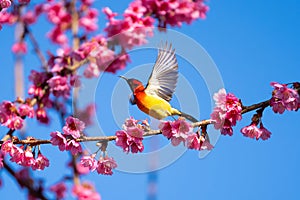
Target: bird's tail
188, 117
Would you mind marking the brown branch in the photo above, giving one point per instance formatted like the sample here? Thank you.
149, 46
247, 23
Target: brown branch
24, 183
35, 142
36, 48
263, 104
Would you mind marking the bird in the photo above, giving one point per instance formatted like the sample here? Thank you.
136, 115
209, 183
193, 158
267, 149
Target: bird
154, 98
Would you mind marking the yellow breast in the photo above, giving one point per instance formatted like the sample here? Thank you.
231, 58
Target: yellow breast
153, 105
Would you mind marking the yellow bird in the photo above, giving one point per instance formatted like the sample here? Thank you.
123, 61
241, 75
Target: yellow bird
154, 98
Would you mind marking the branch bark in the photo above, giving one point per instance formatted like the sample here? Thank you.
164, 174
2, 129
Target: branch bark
23, 183
34, 142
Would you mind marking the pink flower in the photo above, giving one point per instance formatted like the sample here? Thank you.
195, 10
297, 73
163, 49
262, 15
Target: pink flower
133, 29
17, 155
85, 191
166, 129
41, 115
40, 162
87, 114
28, 159
181, 128
198, 143
74, 147
7, 107
7, 147
82, 169
89, 21
130, 122
26, 110
284, 98
2, 154
251, 131
136, 131
38, 78
91, 71
16, 122
5, 3
73, 127
265, 133
89, 161
3, 118
57, 139
59, 189
227, 112
59, 86
7, 18
104, 56
24, 1
105, 165
75, 81
174, 13
128, 142
9, 117
131, 138
19, 48
57, 36
177, 131
29, 17
58, 14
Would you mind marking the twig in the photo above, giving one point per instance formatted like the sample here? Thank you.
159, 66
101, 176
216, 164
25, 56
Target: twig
34, 142
36, 48
33, 191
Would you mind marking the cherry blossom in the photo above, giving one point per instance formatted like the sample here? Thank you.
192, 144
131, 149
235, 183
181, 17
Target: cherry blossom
73, 127
176, 131
105, 165
89, 161
59, 189
227, 112
40, 162
85, 191
284, 98
59, 140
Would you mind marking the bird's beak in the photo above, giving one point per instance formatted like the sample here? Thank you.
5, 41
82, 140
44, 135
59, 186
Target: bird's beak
123, 77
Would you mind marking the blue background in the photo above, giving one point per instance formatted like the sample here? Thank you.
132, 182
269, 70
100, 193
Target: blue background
252, 43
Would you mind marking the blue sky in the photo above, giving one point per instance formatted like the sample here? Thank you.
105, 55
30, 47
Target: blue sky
252, 44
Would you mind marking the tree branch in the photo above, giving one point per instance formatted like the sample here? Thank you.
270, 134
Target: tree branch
24, 183
34, 142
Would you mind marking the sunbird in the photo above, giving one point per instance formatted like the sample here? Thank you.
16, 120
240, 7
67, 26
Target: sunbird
154, 98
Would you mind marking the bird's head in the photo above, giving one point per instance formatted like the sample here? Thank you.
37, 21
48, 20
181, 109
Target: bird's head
133, 83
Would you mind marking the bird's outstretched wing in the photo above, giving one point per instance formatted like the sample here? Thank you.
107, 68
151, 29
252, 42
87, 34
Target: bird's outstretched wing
163, 79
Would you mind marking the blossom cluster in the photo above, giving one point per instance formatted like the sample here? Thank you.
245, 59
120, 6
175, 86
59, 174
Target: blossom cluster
67, 140
12, 114
180, 131
101, 58
85, 190
7, 3
130, 139
284, 98
24, 157
81, 191
253, 131
174, 13
104, 165
133, 29
227, 112
59, 190
58, 14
